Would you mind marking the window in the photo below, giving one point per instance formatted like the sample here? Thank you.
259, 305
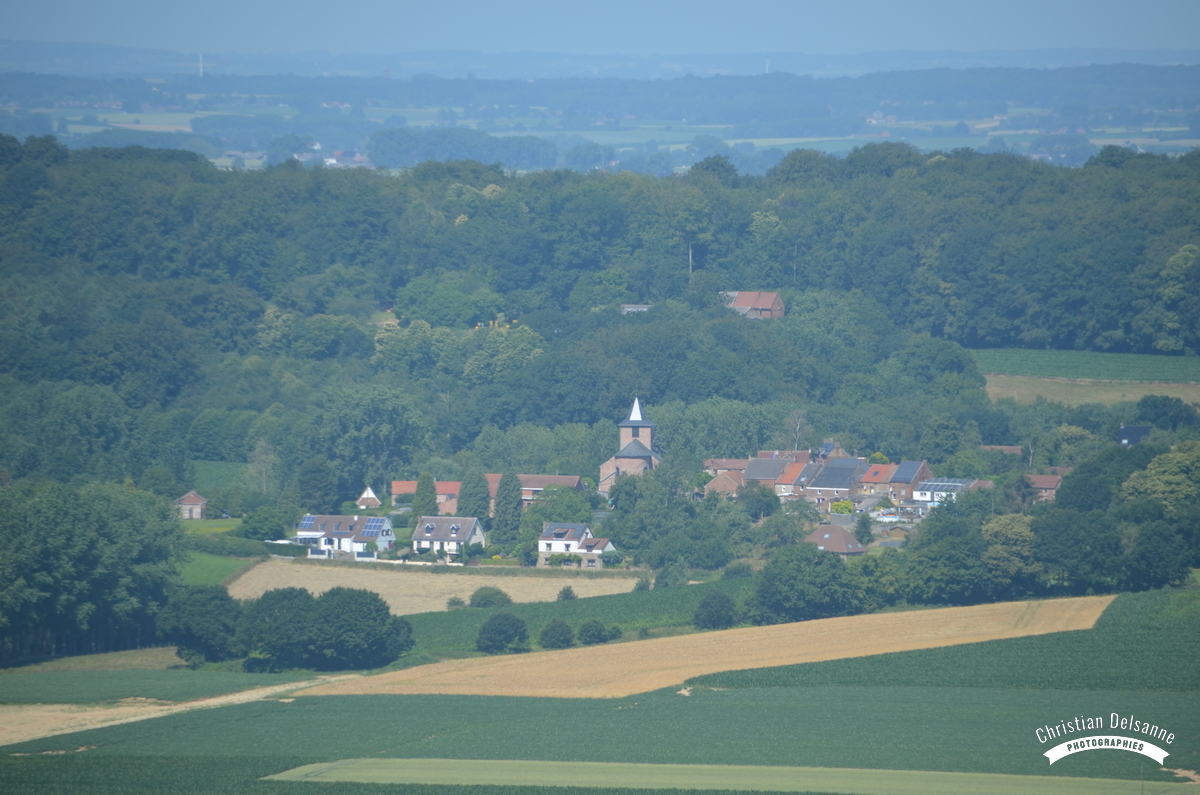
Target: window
637, 432
591, 563
453, 529
428, 529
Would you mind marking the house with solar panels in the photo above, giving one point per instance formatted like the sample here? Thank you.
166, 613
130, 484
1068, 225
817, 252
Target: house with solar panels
345, 537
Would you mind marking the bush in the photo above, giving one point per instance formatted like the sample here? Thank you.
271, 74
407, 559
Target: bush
556, 634
353, 628
566, 593
262, 524
672, 575
593, 632
455, 603
643, 584
500, 633
715, 611
275, 629
488, 596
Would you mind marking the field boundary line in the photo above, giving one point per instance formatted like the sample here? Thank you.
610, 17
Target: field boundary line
617, 775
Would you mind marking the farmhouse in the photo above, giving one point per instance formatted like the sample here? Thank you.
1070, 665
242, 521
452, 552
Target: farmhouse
356, 538
755, 304
367, 500
191, 506
1046, 486
447, 534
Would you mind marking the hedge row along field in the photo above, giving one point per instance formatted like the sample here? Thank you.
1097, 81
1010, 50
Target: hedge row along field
1089, 365
1143, 642
984, 730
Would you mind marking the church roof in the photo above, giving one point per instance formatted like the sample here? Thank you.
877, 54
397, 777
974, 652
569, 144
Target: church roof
635, 419
635, 449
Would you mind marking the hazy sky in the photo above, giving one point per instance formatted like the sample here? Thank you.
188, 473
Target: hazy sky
634, 27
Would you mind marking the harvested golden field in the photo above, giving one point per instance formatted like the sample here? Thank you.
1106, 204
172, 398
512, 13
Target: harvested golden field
1026, 389
628, 668
414, 590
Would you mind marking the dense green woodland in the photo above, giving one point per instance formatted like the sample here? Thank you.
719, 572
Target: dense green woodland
160, 316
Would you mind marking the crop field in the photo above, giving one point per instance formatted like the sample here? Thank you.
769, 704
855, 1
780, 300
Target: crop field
1027, 389
625, 669
413, 590
1144, 642
980, 730
153, 659
97, 687
203, 568
1089, 365
759, 778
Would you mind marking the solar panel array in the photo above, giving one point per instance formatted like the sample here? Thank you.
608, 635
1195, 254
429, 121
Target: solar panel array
369, 533
374, 523
307, 521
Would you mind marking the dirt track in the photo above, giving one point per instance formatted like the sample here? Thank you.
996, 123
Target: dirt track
628, 668
21, 722
414, 590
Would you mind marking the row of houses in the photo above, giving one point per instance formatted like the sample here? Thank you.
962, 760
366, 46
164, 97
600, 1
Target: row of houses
448, 490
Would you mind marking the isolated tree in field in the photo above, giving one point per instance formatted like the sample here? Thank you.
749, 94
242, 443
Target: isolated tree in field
488, 596
802, 582
715, 611
500, 633
506, 520
353, 629
473, 498
425, 500
556, 634
674, 574
202, 621
567, 593
276, 629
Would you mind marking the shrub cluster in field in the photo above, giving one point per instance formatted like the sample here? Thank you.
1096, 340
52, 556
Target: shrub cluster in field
286, 628
504, 632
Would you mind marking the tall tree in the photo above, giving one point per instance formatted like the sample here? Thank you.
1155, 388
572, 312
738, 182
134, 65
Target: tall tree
473, 497
506, 519
425, 500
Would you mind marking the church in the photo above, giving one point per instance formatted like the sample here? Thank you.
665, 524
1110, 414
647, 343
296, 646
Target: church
637, 450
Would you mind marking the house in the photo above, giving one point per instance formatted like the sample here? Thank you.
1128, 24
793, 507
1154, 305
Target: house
755, 304
834, 483
627, 308
561, 538
837, 540
447, 534
766, 471
367, 500
533, 485
356, 538
905, 479
637, 451
726, 483
1130, 435
799, 456
191, 506
1046, 486
446, 490
795, 479
876, 479
716, 466
831, 449
941, 489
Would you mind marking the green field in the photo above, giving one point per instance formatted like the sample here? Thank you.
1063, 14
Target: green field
203, 568
454, 633
207, 527
218, 475
1089, 365
1027, 389
1146, 642
758, 778
100, 687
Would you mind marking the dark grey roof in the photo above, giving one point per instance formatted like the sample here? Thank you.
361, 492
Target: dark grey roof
443, 528
834, 478
765, 468
944, 484
843, 462
635, 449
906, 472
552, 530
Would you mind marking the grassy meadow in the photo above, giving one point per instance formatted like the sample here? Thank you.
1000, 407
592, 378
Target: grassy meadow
1027, 389
203, 568
1089, 365
106, 687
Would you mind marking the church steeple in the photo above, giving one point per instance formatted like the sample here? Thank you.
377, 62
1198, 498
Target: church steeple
637, 427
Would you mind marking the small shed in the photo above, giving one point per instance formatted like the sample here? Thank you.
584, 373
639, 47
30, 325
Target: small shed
191, 506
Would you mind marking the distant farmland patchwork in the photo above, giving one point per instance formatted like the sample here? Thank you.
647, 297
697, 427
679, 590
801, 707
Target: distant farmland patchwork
1078, 377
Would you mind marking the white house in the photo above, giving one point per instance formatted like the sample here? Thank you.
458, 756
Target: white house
447, 534
561, 538
939, 490
345, 537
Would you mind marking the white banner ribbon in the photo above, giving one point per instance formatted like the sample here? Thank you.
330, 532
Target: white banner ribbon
1102, 742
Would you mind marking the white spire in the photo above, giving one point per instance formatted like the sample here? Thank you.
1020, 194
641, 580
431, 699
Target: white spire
635, 415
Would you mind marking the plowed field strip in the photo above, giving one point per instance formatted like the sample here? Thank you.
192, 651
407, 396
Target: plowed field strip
705, 777
628, 668
408, 591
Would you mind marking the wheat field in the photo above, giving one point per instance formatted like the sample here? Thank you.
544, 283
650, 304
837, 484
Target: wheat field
627, 668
